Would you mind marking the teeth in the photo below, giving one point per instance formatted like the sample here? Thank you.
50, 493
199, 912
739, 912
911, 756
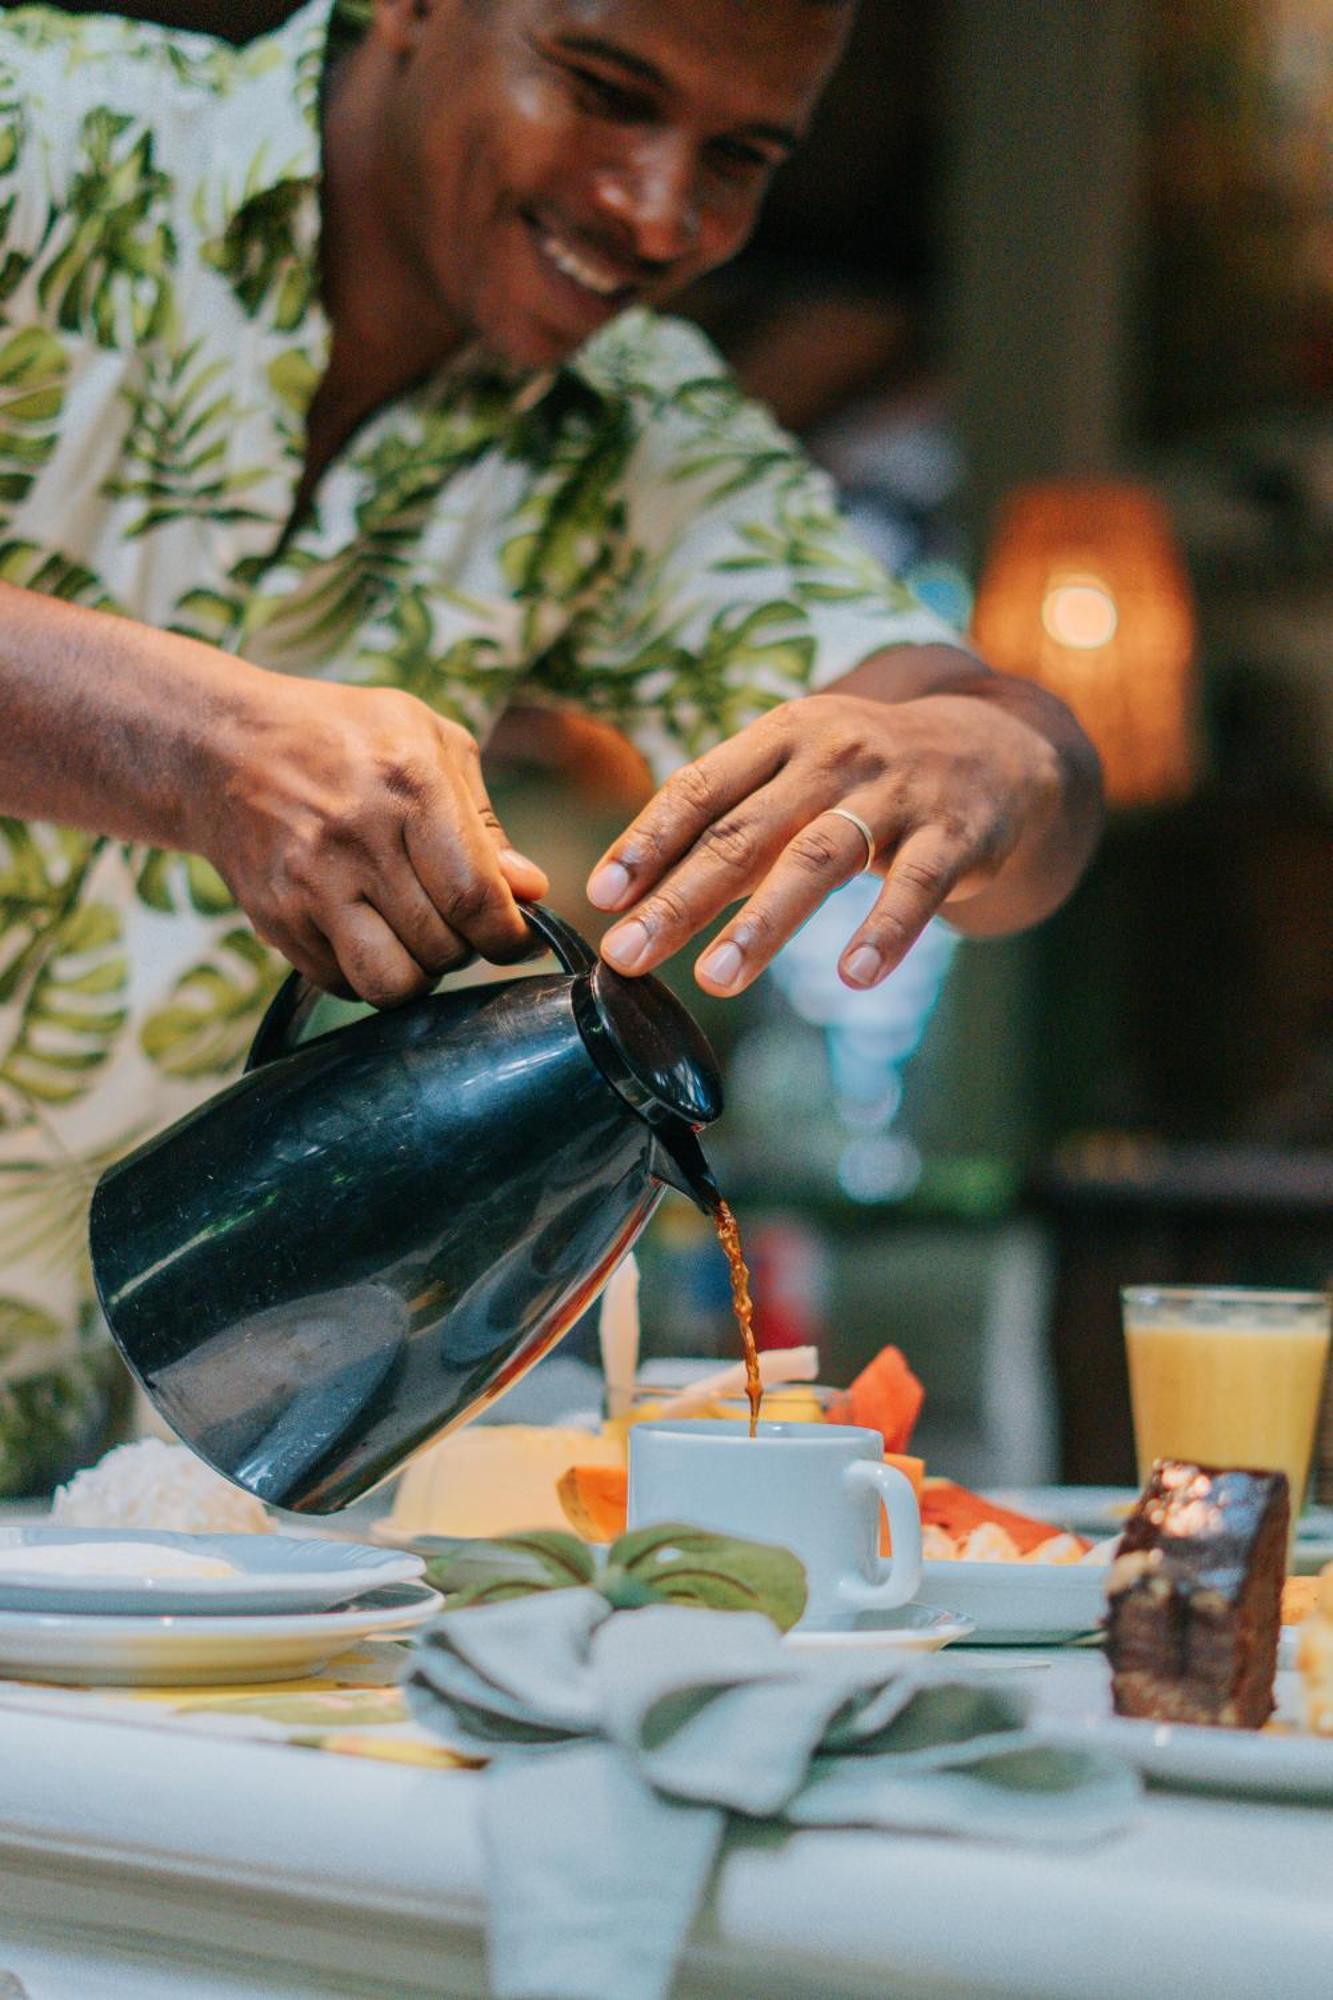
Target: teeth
594, 277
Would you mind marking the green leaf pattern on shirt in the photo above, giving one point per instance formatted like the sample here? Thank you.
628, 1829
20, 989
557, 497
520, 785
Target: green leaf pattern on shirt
175, 453
628, 534
33, 371
113, 249
62, 970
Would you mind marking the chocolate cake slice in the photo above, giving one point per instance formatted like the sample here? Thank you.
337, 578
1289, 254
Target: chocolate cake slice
1194, 1596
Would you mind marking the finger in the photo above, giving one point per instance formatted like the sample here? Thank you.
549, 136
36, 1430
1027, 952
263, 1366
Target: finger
417, 924
528, 880
375, 964
305, 947
924, 870
729, 858
818, 860
691, 800
453, 844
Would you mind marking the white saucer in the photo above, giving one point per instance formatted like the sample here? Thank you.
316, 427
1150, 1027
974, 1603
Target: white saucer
272, 1573
916, 1628
92, 1649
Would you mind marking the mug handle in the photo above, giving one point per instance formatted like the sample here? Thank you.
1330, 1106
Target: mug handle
900, 1574
291, 1007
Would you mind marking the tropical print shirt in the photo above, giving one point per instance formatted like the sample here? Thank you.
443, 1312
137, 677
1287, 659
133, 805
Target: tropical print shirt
627, 534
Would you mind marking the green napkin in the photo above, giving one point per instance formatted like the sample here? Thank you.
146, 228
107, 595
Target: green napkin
625, 1744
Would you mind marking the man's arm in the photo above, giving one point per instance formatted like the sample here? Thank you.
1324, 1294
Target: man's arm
351, 824
981, 793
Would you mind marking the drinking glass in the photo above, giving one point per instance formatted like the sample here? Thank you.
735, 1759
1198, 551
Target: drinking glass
1227, 1376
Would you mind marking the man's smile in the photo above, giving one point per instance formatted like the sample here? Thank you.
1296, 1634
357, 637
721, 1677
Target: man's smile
593, 270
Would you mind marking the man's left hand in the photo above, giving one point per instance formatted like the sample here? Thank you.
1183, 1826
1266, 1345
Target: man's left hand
972, 798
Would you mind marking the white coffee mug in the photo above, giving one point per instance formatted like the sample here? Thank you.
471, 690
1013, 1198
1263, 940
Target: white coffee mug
815, 1488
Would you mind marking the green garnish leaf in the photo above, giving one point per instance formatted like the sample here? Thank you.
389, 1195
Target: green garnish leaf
568, 1561
670, 1563
685, 1565
512, 1566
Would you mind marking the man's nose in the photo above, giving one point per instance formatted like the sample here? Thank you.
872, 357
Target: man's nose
653, 194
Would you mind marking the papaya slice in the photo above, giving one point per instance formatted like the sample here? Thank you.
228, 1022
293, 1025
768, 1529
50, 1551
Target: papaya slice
595, 1498
885, 1397
957, 1510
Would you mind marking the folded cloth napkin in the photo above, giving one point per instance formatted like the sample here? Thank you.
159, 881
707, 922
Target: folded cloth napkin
624, 1744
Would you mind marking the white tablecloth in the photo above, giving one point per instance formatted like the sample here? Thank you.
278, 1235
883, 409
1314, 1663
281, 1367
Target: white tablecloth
138, 1865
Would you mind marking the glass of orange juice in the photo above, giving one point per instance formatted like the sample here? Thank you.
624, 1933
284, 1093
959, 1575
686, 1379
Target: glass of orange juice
1225, 1375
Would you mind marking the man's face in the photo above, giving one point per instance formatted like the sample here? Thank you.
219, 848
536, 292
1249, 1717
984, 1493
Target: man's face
554, 161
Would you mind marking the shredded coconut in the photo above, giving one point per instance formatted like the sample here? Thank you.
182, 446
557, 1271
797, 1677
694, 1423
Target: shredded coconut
156, 1485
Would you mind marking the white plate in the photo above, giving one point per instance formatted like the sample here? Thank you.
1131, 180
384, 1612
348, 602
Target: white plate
198, 1650
273, 1573
917, 1628
1103, 1510
1020, 1603
1262, 1763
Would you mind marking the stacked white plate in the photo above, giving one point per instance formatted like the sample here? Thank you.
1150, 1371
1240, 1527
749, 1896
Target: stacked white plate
126, 1607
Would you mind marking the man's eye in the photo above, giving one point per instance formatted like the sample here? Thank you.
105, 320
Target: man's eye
737, 161
606, 99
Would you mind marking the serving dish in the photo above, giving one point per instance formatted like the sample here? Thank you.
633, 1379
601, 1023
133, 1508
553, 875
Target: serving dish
1020, 1603
1103, 1510
1283, 1761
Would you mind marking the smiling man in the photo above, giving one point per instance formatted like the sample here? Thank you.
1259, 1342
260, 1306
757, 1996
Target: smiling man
335, 414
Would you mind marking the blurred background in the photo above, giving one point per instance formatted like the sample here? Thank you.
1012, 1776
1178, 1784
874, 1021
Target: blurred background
1051, 294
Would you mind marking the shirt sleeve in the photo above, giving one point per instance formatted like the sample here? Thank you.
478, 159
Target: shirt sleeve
733, 583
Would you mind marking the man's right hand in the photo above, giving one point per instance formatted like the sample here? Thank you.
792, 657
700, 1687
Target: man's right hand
351, 824
353, 827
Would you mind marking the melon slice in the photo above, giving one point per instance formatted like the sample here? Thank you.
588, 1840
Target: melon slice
958, 1511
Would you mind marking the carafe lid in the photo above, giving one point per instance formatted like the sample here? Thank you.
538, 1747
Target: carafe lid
649, 1047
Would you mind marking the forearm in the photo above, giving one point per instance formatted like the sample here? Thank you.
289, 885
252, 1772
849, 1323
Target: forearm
104, 723
351, 824
1047, 751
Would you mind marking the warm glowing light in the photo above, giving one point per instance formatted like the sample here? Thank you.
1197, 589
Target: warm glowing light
1084, 590
1079, 611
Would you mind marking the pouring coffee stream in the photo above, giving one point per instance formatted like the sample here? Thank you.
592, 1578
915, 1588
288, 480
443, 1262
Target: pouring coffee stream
729, 1236
372, 1234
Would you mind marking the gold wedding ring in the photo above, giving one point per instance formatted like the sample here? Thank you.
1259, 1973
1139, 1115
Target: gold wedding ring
845, 812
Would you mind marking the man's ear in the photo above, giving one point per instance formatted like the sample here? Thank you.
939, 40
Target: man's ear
399, 24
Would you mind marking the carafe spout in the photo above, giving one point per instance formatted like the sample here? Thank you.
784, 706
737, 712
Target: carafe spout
678, 1161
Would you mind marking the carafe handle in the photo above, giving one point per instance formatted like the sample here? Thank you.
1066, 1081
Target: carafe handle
296, 999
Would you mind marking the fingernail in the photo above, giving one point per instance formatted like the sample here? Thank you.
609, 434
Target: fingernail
722, 965
608, 886
863, 965
627, 946
514, 859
